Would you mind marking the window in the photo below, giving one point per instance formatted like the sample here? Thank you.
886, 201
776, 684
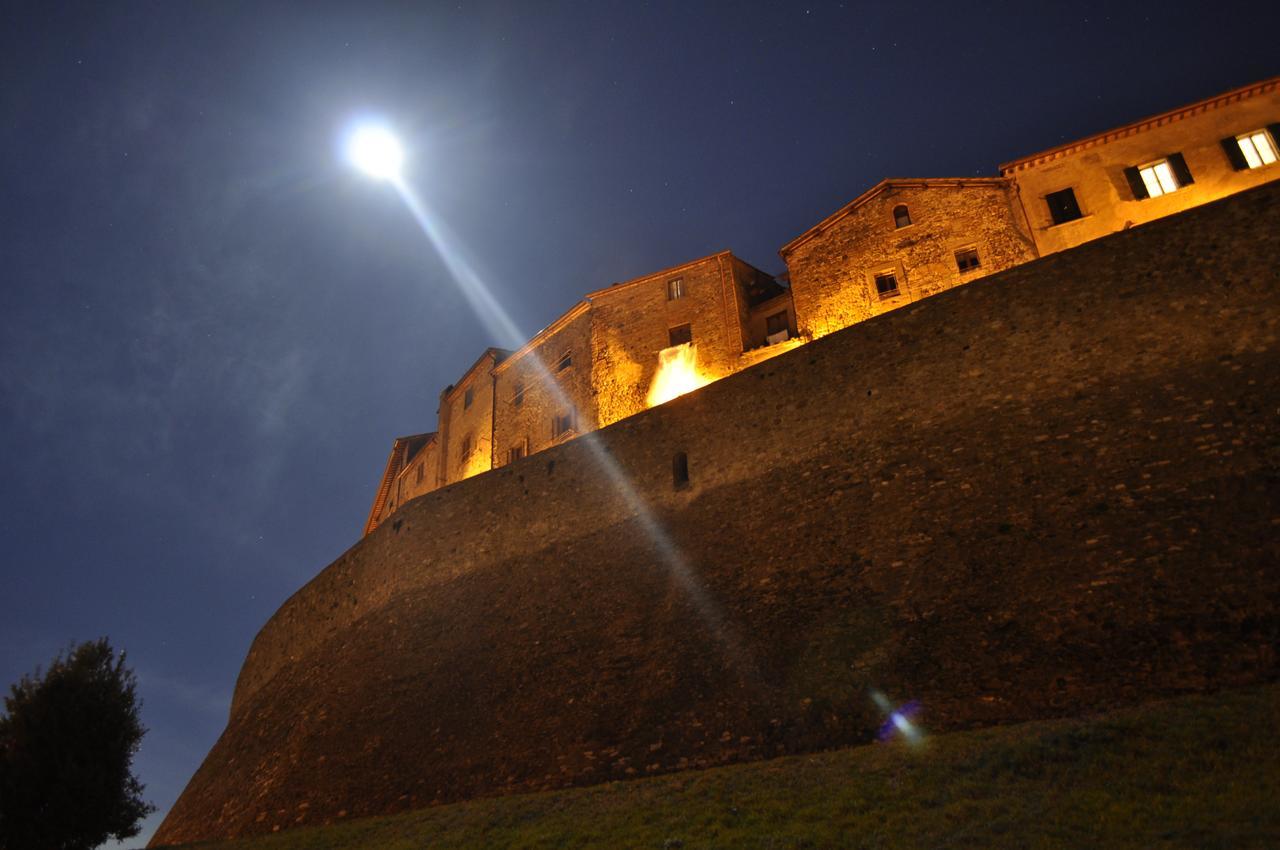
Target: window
887, 285
517, 397
901, 216
1159, 178
561, 424
566, 360
1253, 149
419, 478
1063, 206
967, 259
466, 447
680, 470
515, 453
468, 397
776, 324
680, 334
675, 289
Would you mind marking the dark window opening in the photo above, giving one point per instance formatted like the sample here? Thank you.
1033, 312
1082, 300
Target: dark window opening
515, 453
887, 285
967, 259
1063, 206
680, 470
468, 397
675, 289
680, 334
561, 424
776, 324
420, 473
901, 216
566, 360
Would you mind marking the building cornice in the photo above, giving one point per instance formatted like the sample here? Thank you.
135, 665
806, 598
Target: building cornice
1215, 102
495, 354
543, 335
673, 270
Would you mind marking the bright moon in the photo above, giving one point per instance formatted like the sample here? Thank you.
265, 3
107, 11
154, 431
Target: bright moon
376, 152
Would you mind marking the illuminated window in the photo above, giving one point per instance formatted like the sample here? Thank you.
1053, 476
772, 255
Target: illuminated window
675, 289
515, 453
566, 360
1252, 150
468, 397
1159, 178
679, 335
1063, 206
967, 259
776, 324
901, 216
886, 285
517, 398
561, 424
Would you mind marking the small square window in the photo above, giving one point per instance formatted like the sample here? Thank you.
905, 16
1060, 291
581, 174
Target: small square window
561, 424
675, 289
967, 259
515, 453
680, 334
886, 285
776, 324
566, 360
468, 397
517, 397
1258, 148
1063, 206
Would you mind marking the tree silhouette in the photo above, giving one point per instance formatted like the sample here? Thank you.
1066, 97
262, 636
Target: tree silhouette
67, 739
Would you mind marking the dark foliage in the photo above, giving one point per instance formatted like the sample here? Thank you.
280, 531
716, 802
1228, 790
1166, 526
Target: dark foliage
67, 738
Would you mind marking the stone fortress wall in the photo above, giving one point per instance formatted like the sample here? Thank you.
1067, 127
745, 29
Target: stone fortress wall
1051, 493
899, 242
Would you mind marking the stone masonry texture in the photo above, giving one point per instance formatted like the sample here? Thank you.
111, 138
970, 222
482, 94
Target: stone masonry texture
1054, 490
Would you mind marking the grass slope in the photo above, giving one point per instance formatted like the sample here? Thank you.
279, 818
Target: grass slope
1199, 772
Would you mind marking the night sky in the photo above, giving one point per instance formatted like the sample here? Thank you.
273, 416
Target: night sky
211, 328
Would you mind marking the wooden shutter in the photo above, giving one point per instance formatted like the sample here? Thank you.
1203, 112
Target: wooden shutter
1136, 185
1180, 170
1274, 130
1235, 156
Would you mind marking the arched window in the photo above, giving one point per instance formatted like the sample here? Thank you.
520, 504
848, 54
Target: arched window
680, 470
901, 216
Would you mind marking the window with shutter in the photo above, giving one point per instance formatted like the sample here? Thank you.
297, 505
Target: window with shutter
679, 335
1251, 150
1160, 177
1062, 206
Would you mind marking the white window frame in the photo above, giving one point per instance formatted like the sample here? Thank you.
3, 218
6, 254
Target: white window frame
1159, 178
1258, 148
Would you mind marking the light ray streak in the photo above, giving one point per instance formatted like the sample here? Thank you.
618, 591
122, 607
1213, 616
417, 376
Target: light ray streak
500, 324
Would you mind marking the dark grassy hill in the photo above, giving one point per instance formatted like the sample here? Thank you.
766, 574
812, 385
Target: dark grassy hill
1195, 773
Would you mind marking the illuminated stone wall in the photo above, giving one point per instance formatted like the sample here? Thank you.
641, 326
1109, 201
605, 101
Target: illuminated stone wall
466, 430
630, 324
549, 390
833, 268
1094, 168
1054, 493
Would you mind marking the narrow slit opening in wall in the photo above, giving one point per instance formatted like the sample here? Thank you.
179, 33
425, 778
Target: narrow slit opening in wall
680, 470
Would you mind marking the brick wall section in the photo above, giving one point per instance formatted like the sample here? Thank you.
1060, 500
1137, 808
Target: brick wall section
548, 391
1056, 492
832, 270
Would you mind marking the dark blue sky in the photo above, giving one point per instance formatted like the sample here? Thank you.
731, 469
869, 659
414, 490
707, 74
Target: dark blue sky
210, 329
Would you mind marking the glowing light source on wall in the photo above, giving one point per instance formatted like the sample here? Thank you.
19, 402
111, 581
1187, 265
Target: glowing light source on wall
677, 374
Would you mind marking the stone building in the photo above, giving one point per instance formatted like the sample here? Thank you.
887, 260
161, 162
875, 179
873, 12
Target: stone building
1151, 168
903, 240
900, 241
